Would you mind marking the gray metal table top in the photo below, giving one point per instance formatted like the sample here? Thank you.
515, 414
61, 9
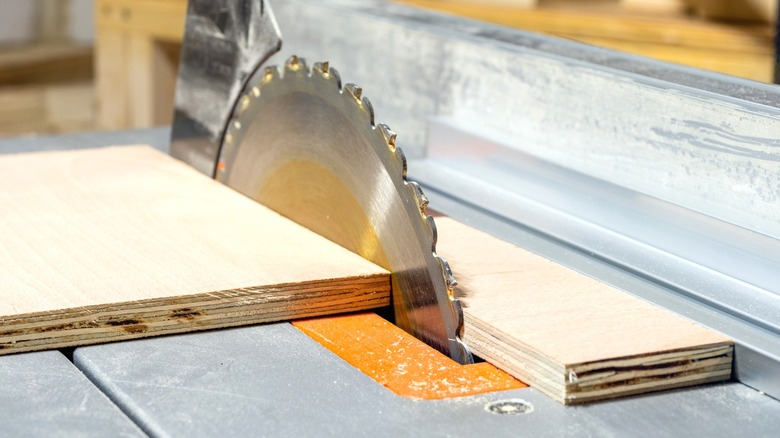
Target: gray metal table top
43, 394
273, 380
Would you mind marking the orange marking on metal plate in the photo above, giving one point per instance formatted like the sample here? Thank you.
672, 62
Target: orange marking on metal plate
399, 361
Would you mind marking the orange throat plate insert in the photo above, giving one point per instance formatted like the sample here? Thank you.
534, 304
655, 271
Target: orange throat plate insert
399, 361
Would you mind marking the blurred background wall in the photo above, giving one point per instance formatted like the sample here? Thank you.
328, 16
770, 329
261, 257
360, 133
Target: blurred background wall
75, 65
26, 21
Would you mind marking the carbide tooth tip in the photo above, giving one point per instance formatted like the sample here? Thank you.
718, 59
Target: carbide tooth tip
388, 135
322, 67
292, 62
295, 64
448, 276
419, 196
270, 73
354, 90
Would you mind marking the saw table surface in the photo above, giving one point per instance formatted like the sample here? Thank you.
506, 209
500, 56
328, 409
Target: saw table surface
272, 380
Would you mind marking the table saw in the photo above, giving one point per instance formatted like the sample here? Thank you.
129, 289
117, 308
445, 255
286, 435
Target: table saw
657, 179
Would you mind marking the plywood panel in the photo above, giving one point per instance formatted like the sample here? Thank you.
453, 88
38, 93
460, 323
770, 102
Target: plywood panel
119, 243
571, 336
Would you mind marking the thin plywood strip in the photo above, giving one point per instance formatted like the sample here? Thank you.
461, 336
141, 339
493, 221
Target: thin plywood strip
118, 243
569, 335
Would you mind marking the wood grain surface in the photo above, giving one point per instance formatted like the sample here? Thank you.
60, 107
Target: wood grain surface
571, 336
117, 243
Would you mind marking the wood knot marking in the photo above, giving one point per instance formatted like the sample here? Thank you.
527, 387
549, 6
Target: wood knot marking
58, 328
11, 333
121, 322
135, 328
129, 325
185, 313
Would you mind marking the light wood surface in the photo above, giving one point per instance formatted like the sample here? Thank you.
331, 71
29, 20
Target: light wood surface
567, 334
118, 243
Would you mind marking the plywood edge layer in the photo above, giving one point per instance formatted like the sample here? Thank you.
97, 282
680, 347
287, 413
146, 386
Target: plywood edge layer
615, 377
517, 363
496, 341
160, 316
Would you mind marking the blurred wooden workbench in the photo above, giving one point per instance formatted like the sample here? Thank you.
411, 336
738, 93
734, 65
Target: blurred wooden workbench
46, 87
137, 41
136, 58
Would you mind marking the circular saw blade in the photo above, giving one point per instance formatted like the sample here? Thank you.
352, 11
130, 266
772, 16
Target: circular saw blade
308, 148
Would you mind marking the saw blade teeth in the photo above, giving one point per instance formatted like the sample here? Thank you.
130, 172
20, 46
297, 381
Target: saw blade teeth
369, 108
243, 104
295, 64
459, 305
269, 74
325, 72
349, 97
355, 91
388, 134
321, 67
432, 232
401, 158
449, 279
446, 271
336, 76
417, 192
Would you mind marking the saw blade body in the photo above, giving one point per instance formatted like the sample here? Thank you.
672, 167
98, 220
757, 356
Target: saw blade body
307, 147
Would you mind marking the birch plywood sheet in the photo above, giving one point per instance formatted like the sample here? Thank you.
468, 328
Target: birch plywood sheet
117, 243
567, 334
